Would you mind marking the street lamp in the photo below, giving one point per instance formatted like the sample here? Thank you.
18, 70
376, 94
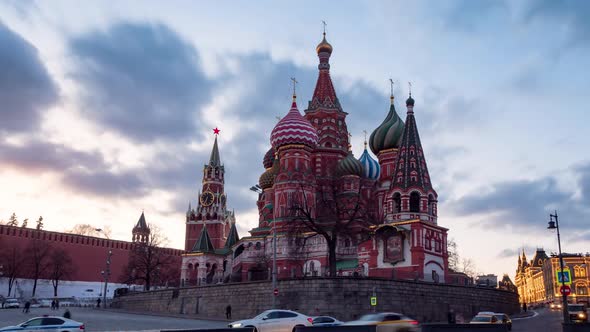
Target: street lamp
256, 188
554, 224
106, 273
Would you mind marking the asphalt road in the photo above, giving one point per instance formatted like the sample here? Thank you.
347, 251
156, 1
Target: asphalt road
545, 320
99, 320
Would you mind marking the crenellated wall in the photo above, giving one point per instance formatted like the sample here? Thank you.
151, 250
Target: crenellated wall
344, 298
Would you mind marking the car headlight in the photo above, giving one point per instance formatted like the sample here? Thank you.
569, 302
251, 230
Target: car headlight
236, 325
581, 315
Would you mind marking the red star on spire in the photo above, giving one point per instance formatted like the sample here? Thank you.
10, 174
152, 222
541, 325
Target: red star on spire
216, 131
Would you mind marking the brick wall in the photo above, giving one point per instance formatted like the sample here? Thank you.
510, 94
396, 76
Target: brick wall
343, 298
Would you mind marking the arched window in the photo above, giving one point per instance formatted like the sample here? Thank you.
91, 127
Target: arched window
347, 243
190, 266
397, 203
431, 205
414, 202
257, 246
581, 290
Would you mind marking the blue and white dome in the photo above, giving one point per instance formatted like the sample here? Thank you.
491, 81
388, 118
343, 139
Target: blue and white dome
371, 168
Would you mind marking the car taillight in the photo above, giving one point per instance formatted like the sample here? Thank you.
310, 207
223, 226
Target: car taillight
414, 322
310, 320
82, 327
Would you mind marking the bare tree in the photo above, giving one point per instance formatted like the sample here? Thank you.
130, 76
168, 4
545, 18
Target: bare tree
336, 213
89, 230
468, 267
12, 221
453, 254
10, 259
25, 223
147, 259
60, 267
37, 257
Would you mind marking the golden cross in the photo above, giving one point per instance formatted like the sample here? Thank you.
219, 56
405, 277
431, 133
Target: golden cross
365, 132
324, 23
391, 82
410, 88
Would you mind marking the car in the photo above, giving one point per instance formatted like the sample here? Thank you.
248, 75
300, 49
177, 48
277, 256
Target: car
577, 313
11, 303
52, 323
275, 321
555, 306
388, 322
325, 321
504, 319
484, 319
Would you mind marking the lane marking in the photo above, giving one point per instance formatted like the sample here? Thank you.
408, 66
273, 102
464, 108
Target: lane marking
535, 314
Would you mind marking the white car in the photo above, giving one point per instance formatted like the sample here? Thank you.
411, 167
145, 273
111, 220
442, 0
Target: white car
388, 322
275, 321
326, 321
11, 303
51, 323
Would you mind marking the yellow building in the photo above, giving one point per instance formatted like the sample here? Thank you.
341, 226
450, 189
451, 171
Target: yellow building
537, 283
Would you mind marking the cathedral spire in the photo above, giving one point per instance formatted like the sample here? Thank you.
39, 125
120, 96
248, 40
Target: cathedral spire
324, 93
411, 170
204, 243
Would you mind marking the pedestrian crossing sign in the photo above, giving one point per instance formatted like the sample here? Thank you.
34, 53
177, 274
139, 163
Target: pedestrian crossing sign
373, 300
564, 277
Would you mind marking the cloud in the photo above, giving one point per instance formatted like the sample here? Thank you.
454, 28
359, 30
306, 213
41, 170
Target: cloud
515, 252
525, 203
141, 80
26, 88
82, 171
568, 16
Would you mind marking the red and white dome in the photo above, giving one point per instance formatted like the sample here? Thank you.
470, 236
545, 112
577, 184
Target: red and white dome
293, 129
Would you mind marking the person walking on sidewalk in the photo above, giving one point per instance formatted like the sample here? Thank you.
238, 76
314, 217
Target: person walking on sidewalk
228, 312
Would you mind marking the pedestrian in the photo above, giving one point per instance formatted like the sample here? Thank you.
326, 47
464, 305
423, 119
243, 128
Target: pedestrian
67, 314
98, 303
56, 304
27, 307
451, 317
53, 304
228, 312
524, 307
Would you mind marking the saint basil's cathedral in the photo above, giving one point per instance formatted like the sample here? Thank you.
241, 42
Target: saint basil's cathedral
396, 234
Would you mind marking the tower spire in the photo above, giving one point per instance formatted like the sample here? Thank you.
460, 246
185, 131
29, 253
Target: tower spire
294, 81
391, 96
214, 160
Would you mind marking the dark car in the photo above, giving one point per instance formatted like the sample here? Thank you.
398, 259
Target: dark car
577, 313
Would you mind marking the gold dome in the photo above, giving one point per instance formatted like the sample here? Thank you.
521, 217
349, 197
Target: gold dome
324, 46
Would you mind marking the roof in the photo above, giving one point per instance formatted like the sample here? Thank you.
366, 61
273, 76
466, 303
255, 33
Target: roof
204, 243
410, 170
233, 237
141, 223
540, 257
324, 95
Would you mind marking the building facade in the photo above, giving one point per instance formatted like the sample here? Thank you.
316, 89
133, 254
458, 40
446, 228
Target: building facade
536, 280
381, 214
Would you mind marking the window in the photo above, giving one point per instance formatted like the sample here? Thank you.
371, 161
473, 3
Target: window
579, 271
273, 315
286, 314
414, 202
52, 321
34, 322
397, 202
391, 317
582, 290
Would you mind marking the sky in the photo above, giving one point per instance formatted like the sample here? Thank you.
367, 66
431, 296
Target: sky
107, 108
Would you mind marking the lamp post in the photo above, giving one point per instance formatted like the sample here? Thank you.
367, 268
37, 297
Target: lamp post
554, 224
106, 273
257, 189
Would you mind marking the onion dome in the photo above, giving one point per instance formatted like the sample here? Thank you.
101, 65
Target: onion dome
267, 179
349, 166
371, 168
269, 157
410, 101
388, 134
324, 46
293, 129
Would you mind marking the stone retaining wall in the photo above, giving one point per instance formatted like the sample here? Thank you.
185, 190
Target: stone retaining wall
343, 298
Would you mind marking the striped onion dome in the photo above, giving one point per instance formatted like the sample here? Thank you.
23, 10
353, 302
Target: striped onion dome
269, 157
349, 166
267, 179
371, 168
388, 134
293, 129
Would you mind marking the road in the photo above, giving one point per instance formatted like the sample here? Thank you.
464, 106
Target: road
545, 320
99, 320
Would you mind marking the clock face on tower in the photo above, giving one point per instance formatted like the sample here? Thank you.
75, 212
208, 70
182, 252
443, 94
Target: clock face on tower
206, 198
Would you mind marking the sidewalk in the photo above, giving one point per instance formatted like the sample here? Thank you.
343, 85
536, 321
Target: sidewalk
165, 314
